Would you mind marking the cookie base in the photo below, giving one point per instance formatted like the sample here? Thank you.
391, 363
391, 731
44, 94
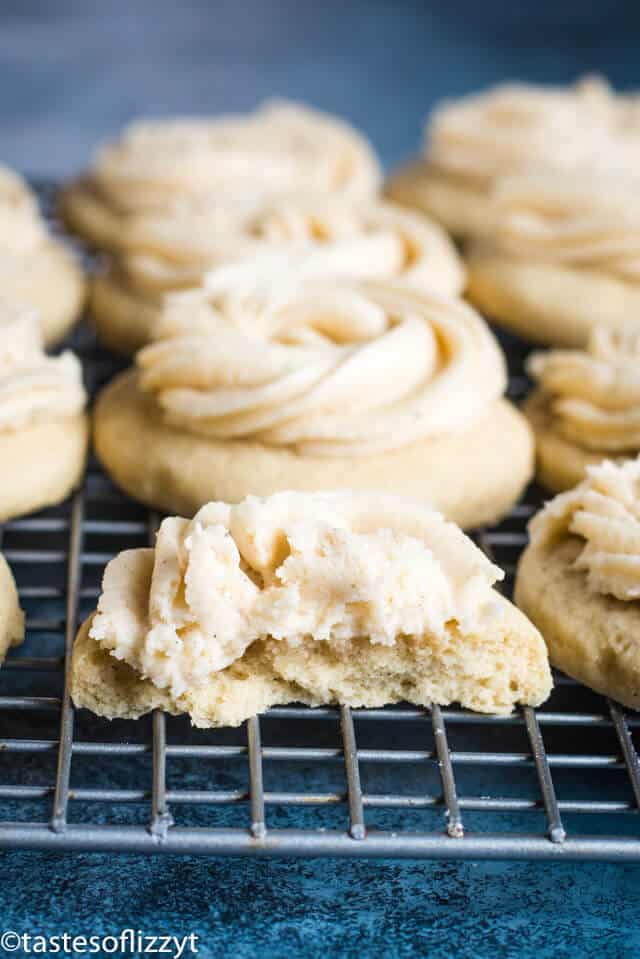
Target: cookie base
549, 304
460, 206
590, 637
122, 319
472, 477
560, 464
489, 674
87, 215
11, 616
41, 464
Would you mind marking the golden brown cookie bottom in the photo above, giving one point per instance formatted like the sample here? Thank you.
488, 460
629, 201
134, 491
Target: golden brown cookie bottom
50, 282
472, 477
11, 616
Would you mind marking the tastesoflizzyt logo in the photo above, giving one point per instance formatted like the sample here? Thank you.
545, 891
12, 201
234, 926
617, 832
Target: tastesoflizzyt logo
124, 943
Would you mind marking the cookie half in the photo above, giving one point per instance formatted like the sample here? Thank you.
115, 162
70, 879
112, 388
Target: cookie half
473, 477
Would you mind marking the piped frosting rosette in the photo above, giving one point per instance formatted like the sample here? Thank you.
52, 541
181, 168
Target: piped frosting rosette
584, 222
326, 368
594, 394
358, 238
33, 386
604, 511
517, 127
281, 146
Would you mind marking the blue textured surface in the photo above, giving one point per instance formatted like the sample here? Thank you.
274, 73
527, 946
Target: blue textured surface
72, 73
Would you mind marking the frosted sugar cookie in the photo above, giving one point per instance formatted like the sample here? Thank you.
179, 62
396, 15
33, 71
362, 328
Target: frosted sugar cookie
564, 258
224, 251
473, 143
36, 270
579, 580
360, 385
160, 165
359, 599
43, 427
586, 406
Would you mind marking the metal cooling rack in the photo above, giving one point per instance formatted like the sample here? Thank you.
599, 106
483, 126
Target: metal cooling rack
559, 782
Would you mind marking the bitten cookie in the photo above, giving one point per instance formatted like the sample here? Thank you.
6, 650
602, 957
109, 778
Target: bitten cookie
356, 385
358, 599
159, 165
579, 580
43, 427
36, 270
563, 258
473, 143
11, 616
227, 251
586, 406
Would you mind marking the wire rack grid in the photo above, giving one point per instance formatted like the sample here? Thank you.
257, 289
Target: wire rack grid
559, 782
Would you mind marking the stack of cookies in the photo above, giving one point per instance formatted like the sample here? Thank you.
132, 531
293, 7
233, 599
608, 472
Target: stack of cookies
323, 410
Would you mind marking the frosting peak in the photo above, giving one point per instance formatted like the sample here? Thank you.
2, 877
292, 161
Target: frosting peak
322, 567
594, 394
331, 369
163, 163
34, 386
604, 511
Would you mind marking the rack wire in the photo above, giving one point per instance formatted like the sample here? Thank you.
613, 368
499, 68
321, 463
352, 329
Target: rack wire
560, 782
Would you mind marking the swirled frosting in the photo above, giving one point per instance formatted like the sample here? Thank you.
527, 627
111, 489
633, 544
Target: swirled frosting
329, 369
33, 386
21, 226
359, 238
586, 221
515, 127
279, 147
604, 511
294, 567
594, 394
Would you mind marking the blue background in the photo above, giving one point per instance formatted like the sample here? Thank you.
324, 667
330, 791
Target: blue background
72, 73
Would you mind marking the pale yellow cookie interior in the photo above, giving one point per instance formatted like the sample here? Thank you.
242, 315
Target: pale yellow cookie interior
473, 477
488, 674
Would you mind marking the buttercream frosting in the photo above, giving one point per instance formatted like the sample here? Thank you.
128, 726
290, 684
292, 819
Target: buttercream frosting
515, 128
330, 369
279, 147
359, 238
586, 221
33, 386
594, 394
604, 511
294, 567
